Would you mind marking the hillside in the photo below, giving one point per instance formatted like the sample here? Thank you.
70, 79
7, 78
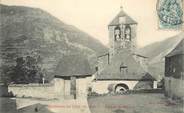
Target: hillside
34, 32
156, 53
164, 46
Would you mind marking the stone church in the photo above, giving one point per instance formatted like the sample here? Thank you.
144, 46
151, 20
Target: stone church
122, 67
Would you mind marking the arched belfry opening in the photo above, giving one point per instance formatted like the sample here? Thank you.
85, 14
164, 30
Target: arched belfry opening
117, 33
122, 32
127, 33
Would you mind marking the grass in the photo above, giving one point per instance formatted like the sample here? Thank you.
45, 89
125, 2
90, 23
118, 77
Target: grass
36, 105
8, 105
134, 103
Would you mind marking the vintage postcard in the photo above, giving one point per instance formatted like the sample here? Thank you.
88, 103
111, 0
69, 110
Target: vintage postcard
91, 56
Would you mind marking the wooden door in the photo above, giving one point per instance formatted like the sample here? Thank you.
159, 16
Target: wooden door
73, 87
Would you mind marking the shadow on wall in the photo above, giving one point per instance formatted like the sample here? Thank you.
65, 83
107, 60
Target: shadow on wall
35, 108
144, 85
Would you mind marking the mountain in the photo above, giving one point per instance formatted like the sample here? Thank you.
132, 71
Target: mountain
156, 53
29, 31
154, 49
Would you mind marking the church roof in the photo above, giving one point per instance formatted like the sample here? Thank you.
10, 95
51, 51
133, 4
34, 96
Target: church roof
179, 49
73, 65
135, 70
128, 20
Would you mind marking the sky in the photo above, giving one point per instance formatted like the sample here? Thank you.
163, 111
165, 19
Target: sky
93, 16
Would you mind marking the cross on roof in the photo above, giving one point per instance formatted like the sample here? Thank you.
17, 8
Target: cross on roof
121, 7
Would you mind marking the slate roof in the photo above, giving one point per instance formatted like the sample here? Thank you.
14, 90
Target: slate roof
128, 20
179, 49
73, 65
162, 48
135, 70
157, 70
157, 65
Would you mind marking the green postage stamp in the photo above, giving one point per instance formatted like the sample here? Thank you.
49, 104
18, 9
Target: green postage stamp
170, 14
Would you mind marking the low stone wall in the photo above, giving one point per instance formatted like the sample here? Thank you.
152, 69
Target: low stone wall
58, 88
101, 87
174, 87
33, 90
82, 86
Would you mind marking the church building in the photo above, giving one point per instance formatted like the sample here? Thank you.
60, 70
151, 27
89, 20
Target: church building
122, 67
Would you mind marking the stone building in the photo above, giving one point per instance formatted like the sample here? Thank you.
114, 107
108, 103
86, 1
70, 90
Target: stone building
174, 72
122, 65
122, 33
73, 75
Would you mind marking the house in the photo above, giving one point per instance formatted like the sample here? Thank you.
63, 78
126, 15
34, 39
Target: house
122, 66
157, 62
174, 72
72, 77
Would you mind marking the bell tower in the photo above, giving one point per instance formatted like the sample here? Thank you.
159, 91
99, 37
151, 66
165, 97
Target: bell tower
122, 33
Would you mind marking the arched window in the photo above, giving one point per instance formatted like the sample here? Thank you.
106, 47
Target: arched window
117, 33
120, 88
123, 68
128, 33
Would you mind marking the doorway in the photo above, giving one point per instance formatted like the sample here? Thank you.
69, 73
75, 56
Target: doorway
73, 91
120, 88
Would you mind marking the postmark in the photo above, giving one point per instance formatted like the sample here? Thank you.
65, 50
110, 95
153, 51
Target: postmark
170, 14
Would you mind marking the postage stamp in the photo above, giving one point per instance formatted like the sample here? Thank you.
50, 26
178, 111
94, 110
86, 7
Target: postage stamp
170, 13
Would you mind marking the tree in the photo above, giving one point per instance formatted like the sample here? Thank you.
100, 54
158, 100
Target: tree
26, 70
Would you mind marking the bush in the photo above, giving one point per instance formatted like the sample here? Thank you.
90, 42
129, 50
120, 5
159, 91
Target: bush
93, 94
9, 94
27, 70
111, 88
89, 89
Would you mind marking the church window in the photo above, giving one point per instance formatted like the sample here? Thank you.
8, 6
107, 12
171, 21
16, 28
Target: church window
123, 68
128, 33
117, 33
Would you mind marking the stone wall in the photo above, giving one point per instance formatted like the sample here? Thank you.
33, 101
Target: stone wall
58, 88
33, 90
174, 87
101, 87
82, 86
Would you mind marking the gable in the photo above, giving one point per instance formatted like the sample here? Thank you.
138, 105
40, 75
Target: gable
179, 49
128, 19
112, 71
